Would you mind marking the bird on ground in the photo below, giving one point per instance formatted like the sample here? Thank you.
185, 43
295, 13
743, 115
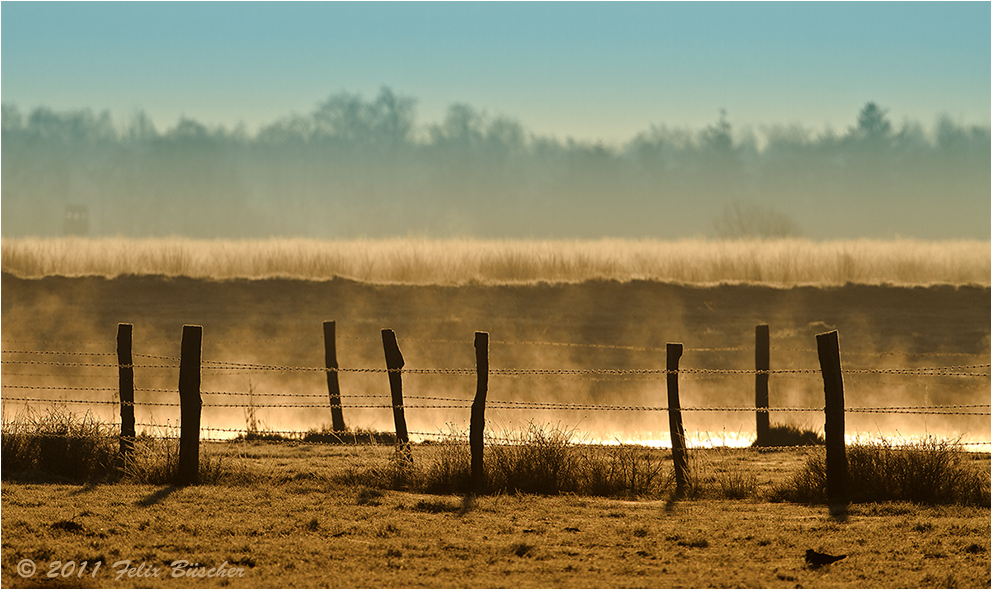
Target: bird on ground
815, 559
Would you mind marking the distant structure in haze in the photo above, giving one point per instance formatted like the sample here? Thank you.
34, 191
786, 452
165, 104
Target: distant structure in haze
77, 220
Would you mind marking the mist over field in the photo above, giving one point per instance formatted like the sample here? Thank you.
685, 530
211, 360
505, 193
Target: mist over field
368, 167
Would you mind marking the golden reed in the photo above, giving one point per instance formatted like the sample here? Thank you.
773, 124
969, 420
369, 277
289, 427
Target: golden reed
785, 262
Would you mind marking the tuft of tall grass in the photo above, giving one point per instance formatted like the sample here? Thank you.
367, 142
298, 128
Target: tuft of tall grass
780, 262
537, 460
734, 480
61, 444
930, 471
626, 470
156, 462
540, 459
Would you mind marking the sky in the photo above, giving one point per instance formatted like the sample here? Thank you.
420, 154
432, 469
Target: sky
588, 71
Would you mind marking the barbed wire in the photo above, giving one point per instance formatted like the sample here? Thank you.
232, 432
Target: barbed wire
54, 376
462, 404
61, 364
214, 365
59, 388
950, 371
60, 352
157, 357
61, 401
746, 348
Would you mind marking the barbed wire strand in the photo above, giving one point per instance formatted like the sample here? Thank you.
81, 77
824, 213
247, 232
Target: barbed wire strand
455, 403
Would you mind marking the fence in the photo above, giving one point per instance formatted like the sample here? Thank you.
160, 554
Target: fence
190, 365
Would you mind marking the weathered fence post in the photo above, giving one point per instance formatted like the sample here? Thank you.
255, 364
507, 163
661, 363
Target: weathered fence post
478, 422
674, 351
828, 349
190, 402
394, 363
125, 369
333, 389
761, 367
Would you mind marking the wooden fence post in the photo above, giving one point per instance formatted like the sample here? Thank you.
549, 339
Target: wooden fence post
478, 422
333, 389
394, 362
828, 349
674, 351
761, 366
125, 369
189, 399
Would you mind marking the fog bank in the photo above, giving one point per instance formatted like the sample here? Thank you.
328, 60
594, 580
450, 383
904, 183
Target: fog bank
357, 167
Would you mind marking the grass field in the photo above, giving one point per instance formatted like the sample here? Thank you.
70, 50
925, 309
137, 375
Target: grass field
294, 524
547, 305
784, 262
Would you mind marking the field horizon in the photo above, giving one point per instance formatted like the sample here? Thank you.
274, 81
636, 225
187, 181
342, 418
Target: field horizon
467, 261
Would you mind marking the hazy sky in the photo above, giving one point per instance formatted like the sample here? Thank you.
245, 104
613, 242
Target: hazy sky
588, 70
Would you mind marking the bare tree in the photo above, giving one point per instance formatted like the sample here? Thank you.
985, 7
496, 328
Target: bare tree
749, 220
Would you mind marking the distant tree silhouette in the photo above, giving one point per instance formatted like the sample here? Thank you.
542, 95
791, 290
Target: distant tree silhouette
717, 138
462, 127
348, 118
873, 125
354, 166
12, 119
393, 117
140, 128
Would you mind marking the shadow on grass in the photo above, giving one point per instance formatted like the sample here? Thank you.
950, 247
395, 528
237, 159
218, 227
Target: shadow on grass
157, 496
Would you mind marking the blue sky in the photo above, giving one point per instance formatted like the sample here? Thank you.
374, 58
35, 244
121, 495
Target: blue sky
592, 71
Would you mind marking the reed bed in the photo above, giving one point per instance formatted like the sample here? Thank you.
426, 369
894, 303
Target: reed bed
782, 262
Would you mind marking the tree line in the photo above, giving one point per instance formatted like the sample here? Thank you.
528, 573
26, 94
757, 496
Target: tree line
366, 167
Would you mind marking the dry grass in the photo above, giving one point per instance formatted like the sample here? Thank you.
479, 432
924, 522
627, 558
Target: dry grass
930, 471
354, 536
783, 262
60, 445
